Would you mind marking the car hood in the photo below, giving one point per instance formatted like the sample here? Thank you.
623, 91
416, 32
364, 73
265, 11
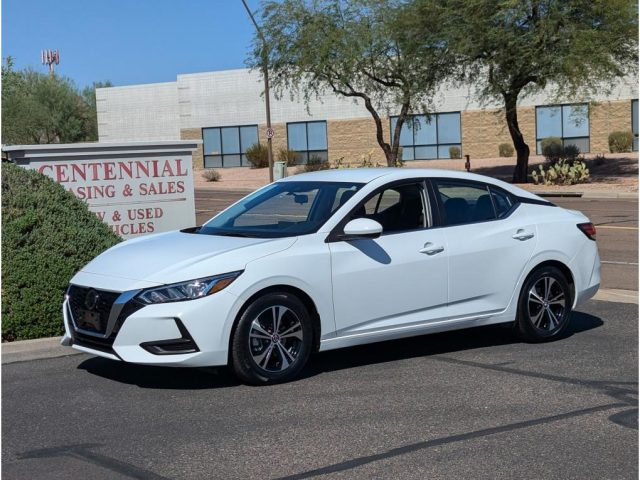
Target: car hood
177, 256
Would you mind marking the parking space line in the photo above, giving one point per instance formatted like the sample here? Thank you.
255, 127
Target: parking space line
623, 392
394, 452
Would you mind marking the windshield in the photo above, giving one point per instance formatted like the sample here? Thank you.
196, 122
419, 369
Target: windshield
282, 209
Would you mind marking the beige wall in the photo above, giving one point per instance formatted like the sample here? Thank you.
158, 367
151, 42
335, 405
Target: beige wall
278, 141
354, 139
607, 117
482, 132
194, 134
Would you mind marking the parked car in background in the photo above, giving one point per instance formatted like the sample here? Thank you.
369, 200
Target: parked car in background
332, 259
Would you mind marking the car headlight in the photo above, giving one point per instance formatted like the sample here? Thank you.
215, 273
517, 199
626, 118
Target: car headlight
179, 292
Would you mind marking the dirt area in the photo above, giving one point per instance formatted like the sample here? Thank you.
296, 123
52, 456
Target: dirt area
615, 171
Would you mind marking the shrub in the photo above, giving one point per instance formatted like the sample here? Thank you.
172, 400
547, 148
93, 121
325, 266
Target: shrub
599, 160
338, 163
211, 175
620, 142
366, 160
47, 236
505, 150
561, 173
454, 152
258, 156
552, 149
570, 153
316, 163
291, 157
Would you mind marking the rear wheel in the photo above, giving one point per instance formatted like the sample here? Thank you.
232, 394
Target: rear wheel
544, 307
272, 341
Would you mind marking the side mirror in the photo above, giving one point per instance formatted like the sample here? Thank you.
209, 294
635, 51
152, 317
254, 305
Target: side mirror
362, 228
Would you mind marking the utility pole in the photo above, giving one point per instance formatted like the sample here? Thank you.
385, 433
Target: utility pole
265, 73
51, 58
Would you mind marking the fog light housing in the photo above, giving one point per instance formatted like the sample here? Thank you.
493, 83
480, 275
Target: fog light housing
173, 346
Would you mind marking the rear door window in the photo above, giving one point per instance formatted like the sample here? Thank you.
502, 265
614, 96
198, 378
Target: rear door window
464, 202
503, 201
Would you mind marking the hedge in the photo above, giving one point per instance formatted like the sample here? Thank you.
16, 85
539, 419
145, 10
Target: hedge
47, 236
620, 142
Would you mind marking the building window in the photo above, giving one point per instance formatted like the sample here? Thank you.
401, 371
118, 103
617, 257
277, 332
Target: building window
427, 138
226, 146
309, 139
567, 122
634, 123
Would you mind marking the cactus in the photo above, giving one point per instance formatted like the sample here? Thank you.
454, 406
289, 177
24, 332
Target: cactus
561, 173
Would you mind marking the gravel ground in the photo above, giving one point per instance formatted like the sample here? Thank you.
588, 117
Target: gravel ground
619, 173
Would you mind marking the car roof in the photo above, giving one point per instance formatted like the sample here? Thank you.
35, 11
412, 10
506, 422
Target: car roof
357, 175
366, 175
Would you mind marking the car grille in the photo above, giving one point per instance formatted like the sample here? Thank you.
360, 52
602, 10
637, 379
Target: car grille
97, 318
90, 308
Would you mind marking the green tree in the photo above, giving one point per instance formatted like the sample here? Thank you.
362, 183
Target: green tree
513, 48
366, 50
37, 108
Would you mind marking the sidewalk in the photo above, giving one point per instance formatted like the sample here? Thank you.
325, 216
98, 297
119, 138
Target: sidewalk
42, 348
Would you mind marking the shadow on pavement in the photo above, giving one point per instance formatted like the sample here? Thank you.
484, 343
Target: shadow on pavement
433, 344
146, 376
170, 378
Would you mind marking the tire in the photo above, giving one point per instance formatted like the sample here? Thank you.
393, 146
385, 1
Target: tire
544, 306
260, 355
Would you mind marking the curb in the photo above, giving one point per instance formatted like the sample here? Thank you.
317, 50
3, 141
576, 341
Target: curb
558, 194
615, 295
42, 348
601, 194
588, 194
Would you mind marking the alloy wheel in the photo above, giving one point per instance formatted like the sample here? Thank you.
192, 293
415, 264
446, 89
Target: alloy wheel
547, 304
275, 338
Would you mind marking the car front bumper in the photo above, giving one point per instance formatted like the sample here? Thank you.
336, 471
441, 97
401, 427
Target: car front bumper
194, 333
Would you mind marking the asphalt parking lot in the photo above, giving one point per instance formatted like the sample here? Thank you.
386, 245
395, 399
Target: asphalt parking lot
469, 404
616, 221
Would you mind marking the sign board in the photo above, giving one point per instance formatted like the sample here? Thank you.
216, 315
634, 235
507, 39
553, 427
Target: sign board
136, 188
270, 133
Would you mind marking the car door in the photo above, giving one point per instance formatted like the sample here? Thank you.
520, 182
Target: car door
397, 279
488, 244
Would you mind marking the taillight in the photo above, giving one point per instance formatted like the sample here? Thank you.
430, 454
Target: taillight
588, 229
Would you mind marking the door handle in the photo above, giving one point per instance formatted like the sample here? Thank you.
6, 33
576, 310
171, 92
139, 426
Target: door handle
523, 235
431, 249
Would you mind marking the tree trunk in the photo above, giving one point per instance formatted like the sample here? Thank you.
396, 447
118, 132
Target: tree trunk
393, 150
391, 156
390, 151
521, 172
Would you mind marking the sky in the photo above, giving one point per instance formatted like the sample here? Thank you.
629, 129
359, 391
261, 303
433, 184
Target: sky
128, 41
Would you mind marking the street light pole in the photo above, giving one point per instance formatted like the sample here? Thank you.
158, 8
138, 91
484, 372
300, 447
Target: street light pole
265, 73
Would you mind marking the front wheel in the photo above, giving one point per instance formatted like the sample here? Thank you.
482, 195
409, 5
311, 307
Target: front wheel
544, 307
272, 341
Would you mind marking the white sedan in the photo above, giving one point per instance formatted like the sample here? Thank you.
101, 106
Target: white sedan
333, 259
